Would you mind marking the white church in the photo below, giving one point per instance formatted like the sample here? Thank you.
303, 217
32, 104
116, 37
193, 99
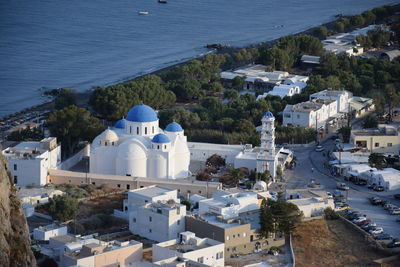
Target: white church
137, 146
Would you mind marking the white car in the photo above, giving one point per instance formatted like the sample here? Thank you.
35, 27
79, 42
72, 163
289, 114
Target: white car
376, 231
329, 194
319, 149
359, 219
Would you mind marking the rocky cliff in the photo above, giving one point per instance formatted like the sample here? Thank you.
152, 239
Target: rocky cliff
15, 247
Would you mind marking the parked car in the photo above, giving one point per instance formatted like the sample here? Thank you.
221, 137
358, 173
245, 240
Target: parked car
387, 206
379, 188
383, 236
329, 194
319, 149
371, 186
375, 201
342, 186
363, 222
361, 182
394, 212
394, 244
377, 230
368, 226
359, 219
397, 196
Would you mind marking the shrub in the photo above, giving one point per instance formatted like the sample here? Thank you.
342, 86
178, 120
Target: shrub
330, 214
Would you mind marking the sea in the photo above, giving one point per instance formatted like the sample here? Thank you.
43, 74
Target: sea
81, 44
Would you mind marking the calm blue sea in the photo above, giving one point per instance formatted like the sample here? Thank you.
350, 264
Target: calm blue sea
86, 43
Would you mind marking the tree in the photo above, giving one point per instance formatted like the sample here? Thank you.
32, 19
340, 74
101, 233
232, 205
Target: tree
230, 93
369, 17
377, 160
370, 122
203, 176
27, 134
65, 98
238, 82
321, 32
379, 37
286, 216
265, 176
215, 161
339, 26
267, 224
345, 131
330, 214
279, 171
72, 125
62, 208
357, 21
245, 126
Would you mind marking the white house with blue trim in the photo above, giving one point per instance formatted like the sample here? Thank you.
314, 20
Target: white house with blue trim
137, 146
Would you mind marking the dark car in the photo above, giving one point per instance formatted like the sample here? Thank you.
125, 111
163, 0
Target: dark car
397, 196
379, 188
394, 244
375, 201
383, 236
371, 186
361, 182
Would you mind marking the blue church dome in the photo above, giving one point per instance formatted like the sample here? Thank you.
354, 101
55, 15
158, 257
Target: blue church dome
160, 138
141, 113
120, 124
268, 114
174, 127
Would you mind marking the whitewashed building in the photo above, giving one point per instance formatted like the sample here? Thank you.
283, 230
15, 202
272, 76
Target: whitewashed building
29, 162
44, 233
311, 202
155, 213
229, 205
342, 98
138, 147
310, 113
389, 178
188, 246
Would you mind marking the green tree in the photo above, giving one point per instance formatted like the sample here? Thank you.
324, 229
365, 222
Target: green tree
72, 125
285, 215
379, 37
321, 32
65, 98
230, 93
62, 208
339, 26
245, 126
369, 17
238, 82
377, 160
27, 134
345, 131
370, 122
267, 223
357, 21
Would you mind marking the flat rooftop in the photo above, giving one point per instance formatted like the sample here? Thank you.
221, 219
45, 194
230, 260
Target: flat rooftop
306, 107
49, 227
376, 132
151, 191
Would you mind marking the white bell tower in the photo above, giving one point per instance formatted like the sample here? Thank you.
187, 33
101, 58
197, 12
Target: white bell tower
266, 158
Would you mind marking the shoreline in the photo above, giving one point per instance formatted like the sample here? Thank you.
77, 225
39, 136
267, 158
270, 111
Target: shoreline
83, 97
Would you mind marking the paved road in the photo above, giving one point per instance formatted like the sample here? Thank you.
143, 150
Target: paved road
358, 196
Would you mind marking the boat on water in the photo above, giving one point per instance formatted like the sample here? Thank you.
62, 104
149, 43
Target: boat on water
162, 1
143, 13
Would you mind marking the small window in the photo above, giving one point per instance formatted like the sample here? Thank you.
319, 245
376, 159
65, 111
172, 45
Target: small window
134, 220
137, 130
153, 129
389, 144
93, 183
178, 222
130, 129
105, 143
15, 167
158, 146
189, 191
128, 186
150, 219
201, 259
298, 116
178, 210
128, 174
145, 130
149, 230
165, 146
199, 191
118, 185
376, 144
233, 236
238, 235
15, 179
112, 143
227, 249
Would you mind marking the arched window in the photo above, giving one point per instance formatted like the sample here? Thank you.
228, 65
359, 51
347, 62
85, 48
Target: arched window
145, 130
165, 146
130, 129
105, 143
153, 129
158, 147
137, 130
